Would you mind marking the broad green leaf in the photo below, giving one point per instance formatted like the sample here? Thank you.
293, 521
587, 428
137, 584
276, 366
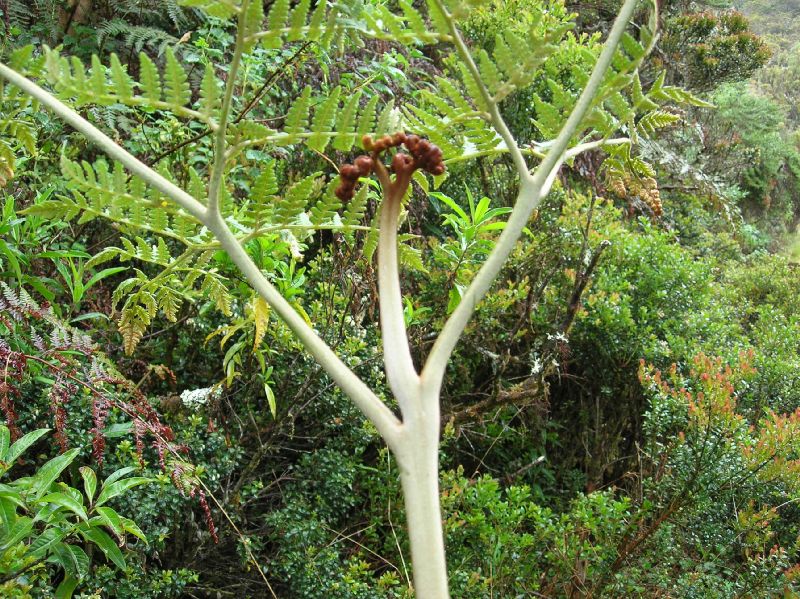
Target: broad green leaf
106, 545
107, 272
273, 406
89, 316
45, 541
72, 558
65, 501
119, 429
117, 474
66, 588
21, 529
8, 511
48, 473
451, 204
23, 443
112, 520
131, 527
119, 487
12, 495
5, 441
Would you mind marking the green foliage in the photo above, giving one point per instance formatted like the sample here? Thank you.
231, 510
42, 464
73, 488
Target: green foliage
505, 544
472, 242
332, 117
752, 131
722, 473
121, 25
714, 47
17, 132
48, 522
764, 291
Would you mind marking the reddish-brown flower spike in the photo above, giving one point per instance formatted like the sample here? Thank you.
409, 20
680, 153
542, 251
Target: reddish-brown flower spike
437, 169
421, 154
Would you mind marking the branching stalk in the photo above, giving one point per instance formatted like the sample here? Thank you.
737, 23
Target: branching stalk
400, 372
494, 110
415, 440
540, 153
220, 154
532, 190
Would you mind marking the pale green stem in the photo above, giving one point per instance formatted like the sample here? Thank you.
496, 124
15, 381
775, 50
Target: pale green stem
220, 156
494, 110
400, 372
532, 191
417, 449
540, 153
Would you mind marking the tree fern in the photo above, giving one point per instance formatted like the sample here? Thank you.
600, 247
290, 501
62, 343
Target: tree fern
609, 102
456, 119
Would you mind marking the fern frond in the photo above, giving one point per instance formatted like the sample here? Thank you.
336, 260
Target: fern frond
294, 202
356, 208
132, 325
98, 191
110, 86
209, 92
221, 9
324, 117
654, 120
297, 117
17, 134
327, 207
326, 23
176, 82
346, 123
217, 291
320, 122
661, 93
136, 37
